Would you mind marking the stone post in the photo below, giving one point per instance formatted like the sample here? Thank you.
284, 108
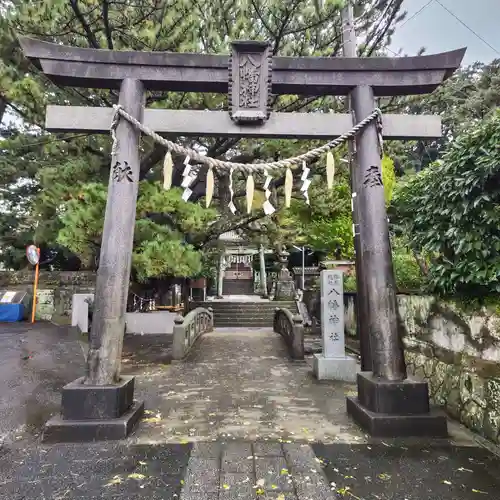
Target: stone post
104, 358
263, 273
220, 277
388, 403
378, 275
101, 405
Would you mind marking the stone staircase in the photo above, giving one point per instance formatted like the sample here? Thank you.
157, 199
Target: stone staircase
231, 314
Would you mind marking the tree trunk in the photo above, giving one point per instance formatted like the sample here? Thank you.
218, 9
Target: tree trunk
3, 108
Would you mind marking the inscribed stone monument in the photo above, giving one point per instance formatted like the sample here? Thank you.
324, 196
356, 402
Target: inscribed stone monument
332, 363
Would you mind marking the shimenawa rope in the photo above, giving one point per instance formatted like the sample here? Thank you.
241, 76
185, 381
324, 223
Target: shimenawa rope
247, 167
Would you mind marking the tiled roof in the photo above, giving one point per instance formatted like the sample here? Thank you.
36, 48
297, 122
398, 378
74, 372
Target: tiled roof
230, 236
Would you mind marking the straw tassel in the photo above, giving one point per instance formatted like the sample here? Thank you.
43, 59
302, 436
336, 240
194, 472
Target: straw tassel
210, 187
330, 169
168, 166
250, 192
288, 187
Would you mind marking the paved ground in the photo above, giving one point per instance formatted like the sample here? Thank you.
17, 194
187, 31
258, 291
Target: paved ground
236, 420
240, 384
402, 472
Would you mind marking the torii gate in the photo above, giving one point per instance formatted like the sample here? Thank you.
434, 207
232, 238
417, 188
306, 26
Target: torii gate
100, 406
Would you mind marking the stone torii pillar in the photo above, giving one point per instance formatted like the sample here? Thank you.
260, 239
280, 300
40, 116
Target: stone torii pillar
101, 405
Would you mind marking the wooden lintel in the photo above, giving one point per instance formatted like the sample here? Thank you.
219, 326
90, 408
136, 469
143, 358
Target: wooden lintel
219, 124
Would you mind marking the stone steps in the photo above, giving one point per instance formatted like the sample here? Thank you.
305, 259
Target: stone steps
245, 314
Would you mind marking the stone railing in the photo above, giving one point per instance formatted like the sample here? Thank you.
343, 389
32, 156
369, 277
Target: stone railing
291, 328
189, 328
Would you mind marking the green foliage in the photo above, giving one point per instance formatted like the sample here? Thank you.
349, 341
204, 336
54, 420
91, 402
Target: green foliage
451, 212
82, 223
407, 273
388, 178
159, 250
471, 95
350, 282
326, 225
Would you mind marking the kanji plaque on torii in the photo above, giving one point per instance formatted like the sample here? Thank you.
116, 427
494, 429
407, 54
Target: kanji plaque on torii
251, 75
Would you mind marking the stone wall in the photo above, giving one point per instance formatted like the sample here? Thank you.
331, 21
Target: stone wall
55, 289
457, 352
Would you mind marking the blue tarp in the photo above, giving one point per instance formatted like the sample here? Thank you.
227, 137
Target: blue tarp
10, 313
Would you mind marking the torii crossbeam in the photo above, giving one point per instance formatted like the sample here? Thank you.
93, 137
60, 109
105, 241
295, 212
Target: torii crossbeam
387, 401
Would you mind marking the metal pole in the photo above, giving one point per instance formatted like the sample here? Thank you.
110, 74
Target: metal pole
349, 50
35, 287
303, 268
108, 328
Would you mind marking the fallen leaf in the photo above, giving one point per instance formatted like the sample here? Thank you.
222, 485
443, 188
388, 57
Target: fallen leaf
445, 481
142, 463
137, 476
280, 497
151, 420
479, 491
284, 472
261, 482
259, 491
383, 476
115, 480
274, 487
226, 486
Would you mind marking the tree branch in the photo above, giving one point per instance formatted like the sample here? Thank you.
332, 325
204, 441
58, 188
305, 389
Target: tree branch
107, 27
90, 34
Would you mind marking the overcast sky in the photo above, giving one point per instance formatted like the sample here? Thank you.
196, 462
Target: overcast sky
438, 31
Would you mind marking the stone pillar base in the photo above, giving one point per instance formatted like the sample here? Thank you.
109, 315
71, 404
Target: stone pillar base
344, 369
385, 408
95, 413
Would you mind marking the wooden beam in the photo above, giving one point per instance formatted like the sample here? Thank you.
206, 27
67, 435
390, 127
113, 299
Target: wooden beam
218, 123
167, 71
